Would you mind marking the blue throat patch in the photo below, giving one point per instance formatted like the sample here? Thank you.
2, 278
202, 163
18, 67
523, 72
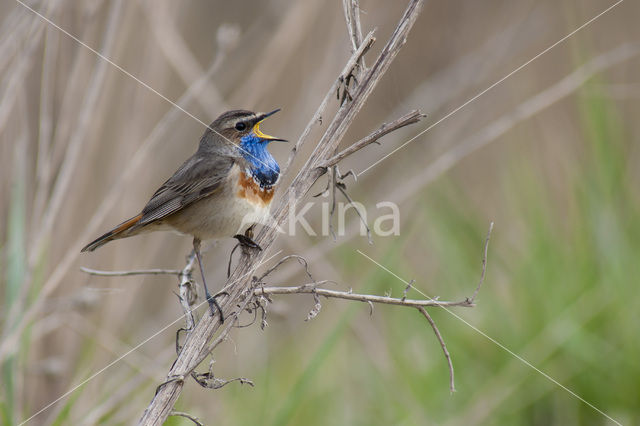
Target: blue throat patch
263, 167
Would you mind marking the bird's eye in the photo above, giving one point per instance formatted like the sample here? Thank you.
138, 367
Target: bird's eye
240, 126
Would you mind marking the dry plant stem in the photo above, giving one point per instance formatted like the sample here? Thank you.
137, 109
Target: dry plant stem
341, 187
424, 312
312, 288
484, 263
186, 294
194, 419
101, 273
300, 259
352, 16
405, 120
239, 289
317, 116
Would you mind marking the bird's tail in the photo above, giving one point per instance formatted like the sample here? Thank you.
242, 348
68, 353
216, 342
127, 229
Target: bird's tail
114, 234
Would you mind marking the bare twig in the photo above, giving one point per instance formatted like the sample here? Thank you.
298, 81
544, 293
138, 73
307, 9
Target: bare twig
405, 120
406, 290
101, 273
240, 290
336, 181
332, 184
187, 293
317, 116
484, 263
300, 259
352, 16
209, 381
312, 288
194, 419
342, 187
424, 312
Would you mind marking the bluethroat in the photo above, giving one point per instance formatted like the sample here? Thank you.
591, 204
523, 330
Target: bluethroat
220, 191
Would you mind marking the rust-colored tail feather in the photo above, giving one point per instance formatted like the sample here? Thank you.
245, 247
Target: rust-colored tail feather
114, 234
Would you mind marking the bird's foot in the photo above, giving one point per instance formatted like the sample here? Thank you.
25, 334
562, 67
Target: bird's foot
215, 306
247, 242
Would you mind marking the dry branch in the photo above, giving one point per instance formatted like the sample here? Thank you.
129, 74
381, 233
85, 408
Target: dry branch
423, 311
317, 116
187, 293
100, 273
352, 16
239, 289
312, 288
386, 128
194, 419
485, 252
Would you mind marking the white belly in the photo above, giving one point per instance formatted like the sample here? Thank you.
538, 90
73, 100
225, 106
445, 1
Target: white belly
220, 215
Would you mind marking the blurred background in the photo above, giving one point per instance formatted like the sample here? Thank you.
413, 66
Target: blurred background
550, 155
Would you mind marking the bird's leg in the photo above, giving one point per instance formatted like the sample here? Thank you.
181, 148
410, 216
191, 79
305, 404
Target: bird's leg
213, 303
246, 240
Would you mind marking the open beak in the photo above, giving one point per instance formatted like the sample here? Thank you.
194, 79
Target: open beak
258, 132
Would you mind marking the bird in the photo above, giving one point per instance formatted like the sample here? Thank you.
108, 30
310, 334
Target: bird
223, 189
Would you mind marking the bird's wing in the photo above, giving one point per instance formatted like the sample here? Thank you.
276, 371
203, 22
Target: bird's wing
197, 178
